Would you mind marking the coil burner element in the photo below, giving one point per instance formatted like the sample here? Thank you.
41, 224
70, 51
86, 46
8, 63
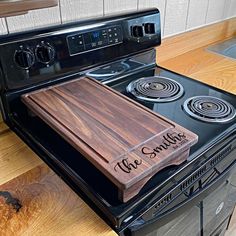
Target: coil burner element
155, 89
209, 109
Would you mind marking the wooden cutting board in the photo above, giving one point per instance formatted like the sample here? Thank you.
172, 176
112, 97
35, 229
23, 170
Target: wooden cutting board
126, 141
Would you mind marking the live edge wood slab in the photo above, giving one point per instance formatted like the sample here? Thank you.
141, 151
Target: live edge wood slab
125, 141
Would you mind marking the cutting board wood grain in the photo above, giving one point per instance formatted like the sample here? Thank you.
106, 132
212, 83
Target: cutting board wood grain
126, 141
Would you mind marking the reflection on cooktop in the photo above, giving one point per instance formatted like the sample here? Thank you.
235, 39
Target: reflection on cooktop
114, 69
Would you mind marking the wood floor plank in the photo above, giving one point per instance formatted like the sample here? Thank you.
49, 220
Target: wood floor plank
3, 126
39, 203
15, 157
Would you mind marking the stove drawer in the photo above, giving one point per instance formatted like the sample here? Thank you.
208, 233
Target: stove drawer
211, 206
220, 231
219, 205
184, 225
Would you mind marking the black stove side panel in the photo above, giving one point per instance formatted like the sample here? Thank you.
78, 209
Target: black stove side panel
44, 55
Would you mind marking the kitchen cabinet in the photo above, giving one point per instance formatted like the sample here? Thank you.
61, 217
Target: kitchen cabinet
18, 7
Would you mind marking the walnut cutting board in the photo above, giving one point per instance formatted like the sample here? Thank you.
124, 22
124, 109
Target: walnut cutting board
124, 140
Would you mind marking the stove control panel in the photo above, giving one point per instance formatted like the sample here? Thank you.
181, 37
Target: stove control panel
48, 54
96, 39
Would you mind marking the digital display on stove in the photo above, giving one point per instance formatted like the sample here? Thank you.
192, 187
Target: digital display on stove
95, 35
81, 43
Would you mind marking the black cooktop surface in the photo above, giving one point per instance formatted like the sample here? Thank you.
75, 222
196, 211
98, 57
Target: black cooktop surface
174, 110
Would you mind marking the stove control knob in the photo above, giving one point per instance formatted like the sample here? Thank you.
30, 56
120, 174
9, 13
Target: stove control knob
45, 53
24, 58
149, 28
137, 31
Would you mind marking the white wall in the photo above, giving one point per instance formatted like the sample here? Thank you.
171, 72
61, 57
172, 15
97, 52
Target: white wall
176, 15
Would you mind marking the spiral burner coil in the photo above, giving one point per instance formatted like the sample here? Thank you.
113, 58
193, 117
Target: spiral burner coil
155, 89
209, 109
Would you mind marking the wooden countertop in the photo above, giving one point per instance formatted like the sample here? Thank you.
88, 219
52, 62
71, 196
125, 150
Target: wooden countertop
206, 67
34, 201
187, 55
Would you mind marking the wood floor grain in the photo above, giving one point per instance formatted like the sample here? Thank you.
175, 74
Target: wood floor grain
39, 203
3, 127
15, 157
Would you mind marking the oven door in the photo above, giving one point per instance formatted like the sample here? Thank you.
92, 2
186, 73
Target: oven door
201, 214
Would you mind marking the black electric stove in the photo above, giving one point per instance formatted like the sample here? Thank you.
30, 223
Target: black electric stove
194, 198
